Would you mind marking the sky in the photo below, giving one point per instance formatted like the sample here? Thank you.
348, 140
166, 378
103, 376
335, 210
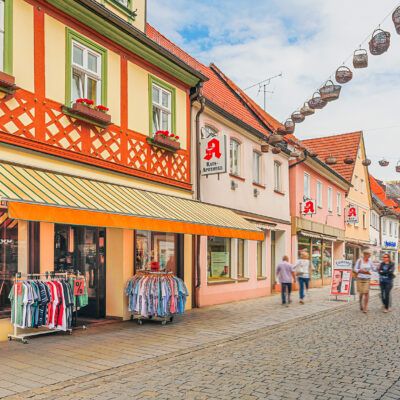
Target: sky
306, 41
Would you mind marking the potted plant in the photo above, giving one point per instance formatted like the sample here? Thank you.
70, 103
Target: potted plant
87, 109
165, 140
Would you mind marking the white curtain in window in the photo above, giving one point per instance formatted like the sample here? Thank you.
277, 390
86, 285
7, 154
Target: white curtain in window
2, 29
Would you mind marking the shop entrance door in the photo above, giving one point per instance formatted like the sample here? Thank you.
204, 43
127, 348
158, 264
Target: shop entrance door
82, 249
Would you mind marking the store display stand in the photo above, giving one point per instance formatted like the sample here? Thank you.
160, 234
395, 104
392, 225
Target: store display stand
22, 336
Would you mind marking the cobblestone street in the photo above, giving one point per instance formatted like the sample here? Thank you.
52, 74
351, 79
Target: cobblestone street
323, 350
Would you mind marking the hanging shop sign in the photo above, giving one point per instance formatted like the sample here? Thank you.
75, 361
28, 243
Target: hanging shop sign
393, 190
308, 207
213, 155
352, 214
341, 278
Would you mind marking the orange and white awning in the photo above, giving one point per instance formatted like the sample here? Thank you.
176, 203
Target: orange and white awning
38, 195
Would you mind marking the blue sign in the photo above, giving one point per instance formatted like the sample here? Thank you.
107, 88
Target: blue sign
390, 244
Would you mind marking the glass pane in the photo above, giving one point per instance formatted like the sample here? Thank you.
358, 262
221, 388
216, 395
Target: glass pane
316, 262
142, 250
259, 258
2, 15
156, 119
91, 90
218, 257
256, 167
1, 51
240, 258
165, 121
92, 62
327, 261
156, 95
164, 251
77, 86
165, 100
77, 55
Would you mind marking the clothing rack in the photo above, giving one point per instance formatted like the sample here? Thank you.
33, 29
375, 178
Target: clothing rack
75, 315
22, 336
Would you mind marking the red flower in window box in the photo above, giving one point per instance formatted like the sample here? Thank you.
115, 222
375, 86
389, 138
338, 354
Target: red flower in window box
97, 114
165, 140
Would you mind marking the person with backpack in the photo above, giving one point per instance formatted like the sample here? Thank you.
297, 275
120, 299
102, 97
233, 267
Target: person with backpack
363, 269
302, 271
386, 276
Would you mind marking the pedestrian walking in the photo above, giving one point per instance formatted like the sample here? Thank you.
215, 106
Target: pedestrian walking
285, 274
386, 276
302, 271
363, 269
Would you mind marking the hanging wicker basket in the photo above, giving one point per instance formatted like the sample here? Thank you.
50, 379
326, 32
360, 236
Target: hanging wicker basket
313, 154
295, 153
316, 102
360, 58
330, 160
330, 91
306, 110
396, 19
275, 139
366, 162
348, 160
398, 166
298, 117
276, 150
289, 126
264, 148
383, 162
343, 74
379, 42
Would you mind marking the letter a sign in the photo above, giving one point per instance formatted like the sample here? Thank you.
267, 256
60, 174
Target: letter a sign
352, 215
308, 207
213, 155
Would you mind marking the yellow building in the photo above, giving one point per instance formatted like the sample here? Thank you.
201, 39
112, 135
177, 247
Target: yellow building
86, 182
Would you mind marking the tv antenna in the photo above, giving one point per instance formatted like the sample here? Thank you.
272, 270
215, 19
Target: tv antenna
263, 86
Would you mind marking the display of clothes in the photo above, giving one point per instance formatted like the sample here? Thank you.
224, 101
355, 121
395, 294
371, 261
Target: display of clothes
39, 303
155, 294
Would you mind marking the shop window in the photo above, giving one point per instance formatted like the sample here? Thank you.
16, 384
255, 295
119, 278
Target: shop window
256, 167
235, 148
8, 260
6, 36
86, 70
330, 199
319, 194
306, 185
218, 258
260, 259
162, 106
339, 203
316, 258
240, 258
158, 248
327, 260
277, 176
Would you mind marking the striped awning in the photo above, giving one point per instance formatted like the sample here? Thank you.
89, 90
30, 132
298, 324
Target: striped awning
38, 195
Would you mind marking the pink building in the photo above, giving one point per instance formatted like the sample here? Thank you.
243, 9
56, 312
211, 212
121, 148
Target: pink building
321, 232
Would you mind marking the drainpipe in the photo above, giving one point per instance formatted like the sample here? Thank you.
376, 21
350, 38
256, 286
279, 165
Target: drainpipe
197, 95
301, 161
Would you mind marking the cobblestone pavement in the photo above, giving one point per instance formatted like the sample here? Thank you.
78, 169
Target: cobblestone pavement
323, 350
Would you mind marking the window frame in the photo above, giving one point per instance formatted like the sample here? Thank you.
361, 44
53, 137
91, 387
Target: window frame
8, 38
364, 220
259, 155
330, 199
277, 176
212, 129
229, 244
260, 262
241, 258
339, 203
126, 9
355, 182
307, 175
239, 156
166, 87
73, 36
319, 194
361, 186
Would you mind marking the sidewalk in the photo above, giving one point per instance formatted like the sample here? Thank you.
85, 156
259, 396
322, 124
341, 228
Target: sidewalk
57, 358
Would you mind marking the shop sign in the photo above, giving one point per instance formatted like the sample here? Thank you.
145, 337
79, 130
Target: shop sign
352, 215
390, 244
213, 155
155, 266
341, 278
308, 207
79, 287
393, 190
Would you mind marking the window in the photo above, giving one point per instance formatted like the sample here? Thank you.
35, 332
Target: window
306, 185
396, 228
277, 176
362, 185
330, 199
209, 131
259, 259
86, 70
218, 258
384, 227
390, 228
256, 167
240, 258
364, 218
235, 157
6, 36
123, 2
319, 194
356, 182
339, 203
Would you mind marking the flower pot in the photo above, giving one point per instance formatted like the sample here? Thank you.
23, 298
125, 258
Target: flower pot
6, 81
164, 142
91, 114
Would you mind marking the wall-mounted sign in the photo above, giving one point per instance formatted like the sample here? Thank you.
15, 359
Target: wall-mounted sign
308, 207
213, 155
390, 244
352, 214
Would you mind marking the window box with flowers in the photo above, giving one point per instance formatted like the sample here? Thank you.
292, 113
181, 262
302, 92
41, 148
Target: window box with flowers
85, 110
165, 140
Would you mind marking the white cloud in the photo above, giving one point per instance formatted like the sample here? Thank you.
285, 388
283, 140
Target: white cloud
306, 40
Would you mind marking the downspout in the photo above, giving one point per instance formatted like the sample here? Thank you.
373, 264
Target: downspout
301, 161
197, 95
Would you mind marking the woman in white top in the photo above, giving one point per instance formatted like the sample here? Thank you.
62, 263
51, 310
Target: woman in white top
363, 269
302, 271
